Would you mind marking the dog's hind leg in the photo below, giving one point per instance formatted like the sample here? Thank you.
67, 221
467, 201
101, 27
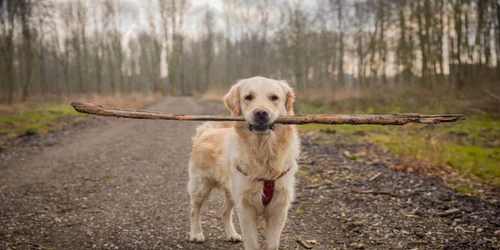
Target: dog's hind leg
199, 188
227, 218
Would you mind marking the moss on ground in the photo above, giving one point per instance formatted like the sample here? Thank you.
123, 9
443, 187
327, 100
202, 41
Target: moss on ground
37, 119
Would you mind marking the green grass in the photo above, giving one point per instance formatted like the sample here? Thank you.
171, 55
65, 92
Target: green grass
465, 188
36, 119
483, 163
107, 176
471, 146
299, 210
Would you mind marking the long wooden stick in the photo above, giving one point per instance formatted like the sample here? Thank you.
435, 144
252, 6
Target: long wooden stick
394, 119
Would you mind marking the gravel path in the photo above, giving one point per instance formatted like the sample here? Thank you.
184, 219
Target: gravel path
121, 184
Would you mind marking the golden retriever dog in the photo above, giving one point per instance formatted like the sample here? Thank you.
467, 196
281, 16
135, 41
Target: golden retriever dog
252, 162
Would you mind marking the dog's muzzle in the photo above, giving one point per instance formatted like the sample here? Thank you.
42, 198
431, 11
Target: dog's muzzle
261, 127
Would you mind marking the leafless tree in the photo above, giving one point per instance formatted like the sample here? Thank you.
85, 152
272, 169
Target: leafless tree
82, 47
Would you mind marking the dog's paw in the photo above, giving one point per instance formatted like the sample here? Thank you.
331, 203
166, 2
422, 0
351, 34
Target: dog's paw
199, 237
234, 238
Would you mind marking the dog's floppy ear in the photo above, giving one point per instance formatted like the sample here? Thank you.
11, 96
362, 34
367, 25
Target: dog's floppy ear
290, 97
232, 100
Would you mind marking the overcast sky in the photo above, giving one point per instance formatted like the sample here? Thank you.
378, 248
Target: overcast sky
135, 17
192, 19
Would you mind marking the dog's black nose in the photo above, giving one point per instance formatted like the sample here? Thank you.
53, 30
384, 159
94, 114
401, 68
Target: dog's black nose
261, 116
261, 113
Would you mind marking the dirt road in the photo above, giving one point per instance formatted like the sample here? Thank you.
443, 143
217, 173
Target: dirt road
121, 184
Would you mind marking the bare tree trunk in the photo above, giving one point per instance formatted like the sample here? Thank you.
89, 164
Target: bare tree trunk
467, 46
116, 46
404, 49
66, 66
151, 50
457, 10
340, 70
360, 43
197, 67
41, 58
172, 15
172, 53
229, 50
439, 39
26, 13
478, 41
297, 29
111, 68
427, 41
422, 35
78, 60
180, 46
373, 50
208, 47
82, 23
118, 52
9, 25
498, 39
63, 52
382, 43
98, 58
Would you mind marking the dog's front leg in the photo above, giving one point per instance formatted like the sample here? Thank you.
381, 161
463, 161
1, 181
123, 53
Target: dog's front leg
247, 216
275, 221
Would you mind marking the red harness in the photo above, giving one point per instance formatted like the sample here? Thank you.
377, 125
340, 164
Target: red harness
268, 189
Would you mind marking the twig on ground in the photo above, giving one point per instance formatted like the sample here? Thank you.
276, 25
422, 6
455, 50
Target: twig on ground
394, 119
323, 185
374, 177
303, 243
449, 212
374, 192
305, 162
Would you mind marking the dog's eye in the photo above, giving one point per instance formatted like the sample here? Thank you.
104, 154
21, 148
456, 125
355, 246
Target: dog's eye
248, 97
274, 98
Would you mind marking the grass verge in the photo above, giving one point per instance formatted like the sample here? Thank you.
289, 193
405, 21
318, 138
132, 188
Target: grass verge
37, 119
41, 115
471, 148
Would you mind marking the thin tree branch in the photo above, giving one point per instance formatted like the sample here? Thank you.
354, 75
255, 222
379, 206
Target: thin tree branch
394, 119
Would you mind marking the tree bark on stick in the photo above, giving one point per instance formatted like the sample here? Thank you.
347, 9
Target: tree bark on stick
394, 119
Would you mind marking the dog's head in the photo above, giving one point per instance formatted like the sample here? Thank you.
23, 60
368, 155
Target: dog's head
260, 100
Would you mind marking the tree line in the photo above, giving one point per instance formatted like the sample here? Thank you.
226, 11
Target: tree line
179, 48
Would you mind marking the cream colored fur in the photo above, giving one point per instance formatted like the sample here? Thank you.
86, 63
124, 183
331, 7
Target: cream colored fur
219, 147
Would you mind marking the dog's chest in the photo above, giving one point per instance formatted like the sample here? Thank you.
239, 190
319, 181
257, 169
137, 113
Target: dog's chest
264, 191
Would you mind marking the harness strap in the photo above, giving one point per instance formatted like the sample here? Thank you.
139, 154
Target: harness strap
268, 189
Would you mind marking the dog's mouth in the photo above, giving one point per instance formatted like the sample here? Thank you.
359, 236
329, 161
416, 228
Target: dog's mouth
261, 127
